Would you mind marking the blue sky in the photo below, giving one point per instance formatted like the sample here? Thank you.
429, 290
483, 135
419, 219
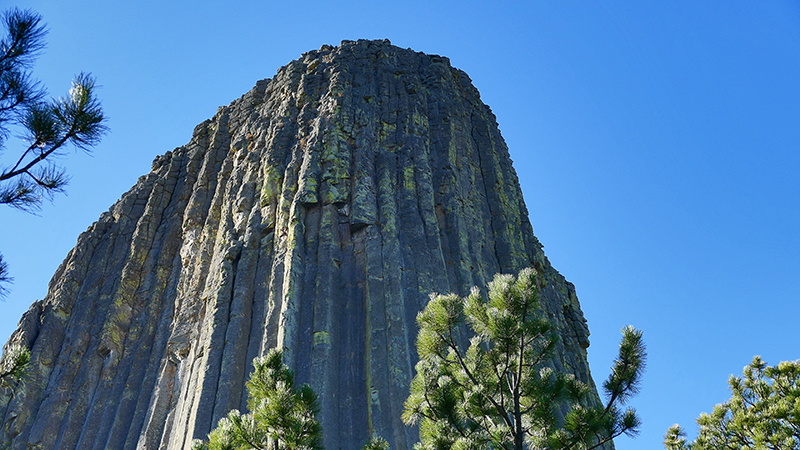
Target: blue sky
656, 144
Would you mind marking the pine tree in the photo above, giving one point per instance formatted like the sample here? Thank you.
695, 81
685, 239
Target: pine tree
47, 125
281, 416
376, 443
13, 368
762, 413
5, 278
499, 392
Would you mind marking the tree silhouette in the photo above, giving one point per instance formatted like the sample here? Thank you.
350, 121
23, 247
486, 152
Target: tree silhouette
46, 126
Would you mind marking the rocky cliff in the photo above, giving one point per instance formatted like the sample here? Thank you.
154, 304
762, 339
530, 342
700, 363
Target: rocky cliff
315, 213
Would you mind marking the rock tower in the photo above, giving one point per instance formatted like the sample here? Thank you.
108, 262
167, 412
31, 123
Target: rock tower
315, 213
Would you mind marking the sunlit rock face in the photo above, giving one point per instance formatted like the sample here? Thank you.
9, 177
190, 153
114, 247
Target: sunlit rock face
315, 213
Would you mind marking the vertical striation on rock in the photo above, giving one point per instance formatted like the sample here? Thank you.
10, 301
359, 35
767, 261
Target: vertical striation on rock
315, 213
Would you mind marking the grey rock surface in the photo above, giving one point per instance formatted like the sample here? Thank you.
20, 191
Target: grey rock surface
316, 213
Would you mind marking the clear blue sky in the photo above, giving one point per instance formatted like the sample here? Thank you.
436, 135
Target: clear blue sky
657, 144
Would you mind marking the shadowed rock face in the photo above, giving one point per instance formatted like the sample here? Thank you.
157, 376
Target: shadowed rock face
315, 213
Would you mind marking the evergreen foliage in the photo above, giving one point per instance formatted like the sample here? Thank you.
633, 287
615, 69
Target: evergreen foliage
47, 126
376, 443
282, 416
5, 278
14, 367
500, 391
762, 413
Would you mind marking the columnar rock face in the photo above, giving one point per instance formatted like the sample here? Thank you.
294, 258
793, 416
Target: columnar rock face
316, 213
